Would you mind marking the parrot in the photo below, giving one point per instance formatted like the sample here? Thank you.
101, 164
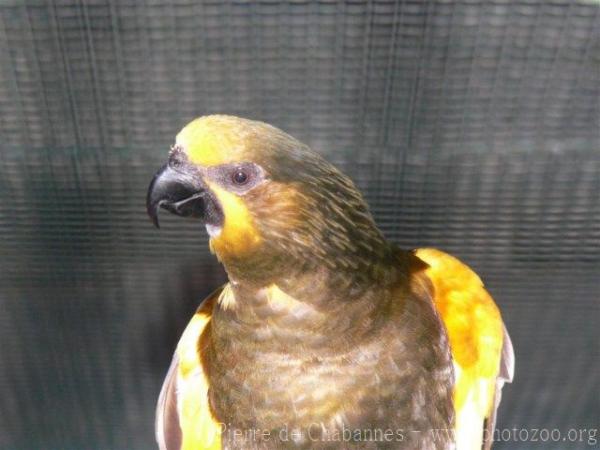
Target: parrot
326, 335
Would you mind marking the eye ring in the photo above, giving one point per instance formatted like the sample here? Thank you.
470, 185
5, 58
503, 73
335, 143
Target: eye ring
240, 177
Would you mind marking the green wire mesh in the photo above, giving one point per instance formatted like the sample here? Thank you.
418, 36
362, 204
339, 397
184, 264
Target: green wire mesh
471, 126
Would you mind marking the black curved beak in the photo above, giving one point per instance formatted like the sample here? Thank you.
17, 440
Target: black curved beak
178, 190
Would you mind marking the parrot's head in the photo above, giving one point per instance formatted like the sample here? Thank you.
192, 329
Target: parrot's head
267, 200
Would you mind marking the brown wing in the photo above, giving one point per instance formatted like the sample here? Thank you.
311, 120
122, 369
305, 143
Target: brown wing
168, 433
183, 417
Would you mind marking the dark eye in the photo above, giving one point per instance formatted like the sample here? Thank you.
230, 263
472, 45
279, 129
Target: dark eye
240, 177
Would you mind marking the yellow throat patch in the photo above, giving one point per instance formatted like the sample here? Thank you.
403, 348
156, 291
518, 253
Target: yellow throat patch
238, 235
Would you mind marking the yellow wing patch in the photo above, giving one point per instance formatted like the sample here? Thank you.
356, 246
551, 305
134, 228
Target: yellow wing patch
474, 327
199, 429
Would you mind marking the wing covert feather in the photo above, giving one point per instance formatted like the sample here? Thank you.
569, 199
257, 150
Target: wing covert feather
184, 420
480, 345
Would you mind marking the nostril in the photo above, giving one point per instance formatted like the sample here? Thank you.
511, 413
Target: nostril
176, 162
177, 157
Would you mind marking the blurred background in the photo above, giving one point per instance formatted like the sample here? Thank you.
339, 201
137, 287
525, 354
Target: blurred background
471, 126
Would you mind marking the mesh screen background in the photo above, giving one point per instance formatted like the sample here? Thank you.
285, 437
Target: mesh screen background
471, 126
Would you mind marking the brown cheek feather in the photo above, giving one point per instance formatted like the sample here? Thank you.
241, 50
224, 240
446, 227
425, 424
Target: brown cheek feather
279, 209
